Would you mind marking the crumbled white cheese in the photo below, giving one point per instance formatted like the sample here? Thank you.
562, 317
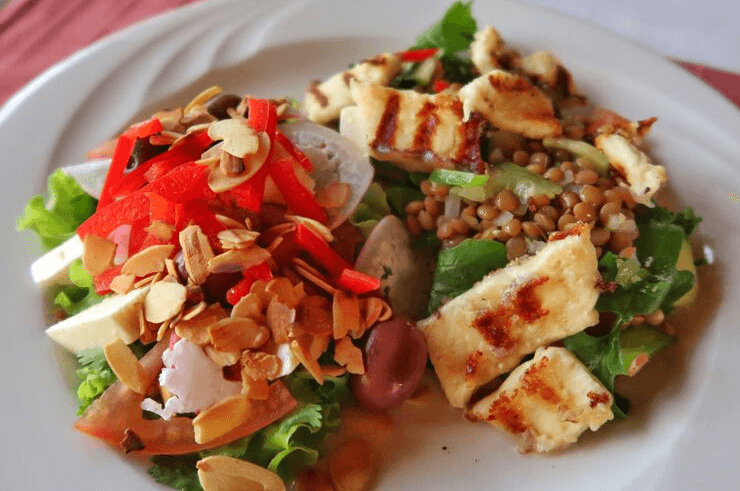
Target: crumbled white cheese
487, 43
194, 380
53, 267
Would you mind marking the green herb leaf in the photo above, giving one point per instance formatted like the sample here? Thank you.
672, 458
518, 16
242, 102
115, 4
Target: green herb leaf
400, 196
95, 375
453, 33
460, 267
56, 220
80, 295
176, 471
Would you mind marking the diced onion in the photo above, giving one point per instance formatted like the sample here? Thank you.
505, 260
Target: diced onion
503, 218
452, 206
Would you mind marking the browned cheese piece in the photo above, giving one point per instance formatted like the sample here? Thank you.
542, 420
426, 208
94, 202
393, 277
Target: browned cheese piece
510, 102
485, 332
417, 132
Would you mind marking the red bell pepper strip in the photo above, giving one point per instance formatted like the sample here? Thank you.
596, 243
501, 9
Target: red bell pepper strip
187, 182
262, 116
133, 209
249, 195
440, 85
357, 282
415, 55
122, 153
103, 280
259, 271
318, 249
294, 151
161, 209
200, 214
299, 199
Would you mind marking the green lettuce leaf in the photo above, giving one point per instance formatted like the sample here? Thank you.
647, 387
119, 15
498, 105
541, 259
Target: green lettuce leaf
460, 267
80, 295
56, 220
372, 208
95, 377
176, 471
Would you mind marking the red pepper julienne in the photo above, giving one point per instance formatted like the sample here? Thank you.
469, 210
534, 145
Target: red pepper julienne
416, 55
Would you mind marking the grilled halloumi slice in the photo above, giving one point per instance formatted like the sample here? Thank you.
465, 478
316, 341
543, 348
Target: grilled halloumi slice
510, 102
644, 177
547, 402
418, 132
545, 68
486, 331
324, 101
484, 50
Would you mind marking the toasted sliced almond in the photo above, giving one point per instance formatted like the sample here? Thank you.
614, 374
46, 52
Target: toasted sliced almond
196, 252
237, 334
147, 330
348, 355
255, 389
222, 358
280, 320
316, 317
125, 365
122, 284
319, 344
373, 309
351, 466
170, 119
148, 261
165, 137
97, 254
313, 275
195, 330
145, 281
221, 418
301, 349
164, 329
346, 315
317, 227
256, 365
210, 162
239, 138
333, 370
235, 259
203, 97
335, 195
194, 310
171, 268
250, 305
220, 473
230, 222
164, 301
161, 230
237, 238
282, 289
219, 181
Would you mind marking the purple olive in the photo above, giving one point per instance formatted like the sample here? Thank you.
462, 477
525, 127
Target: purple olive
396, 357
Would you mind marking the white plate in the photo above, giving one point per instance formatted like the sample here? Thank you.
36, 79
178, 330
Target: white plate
684, 429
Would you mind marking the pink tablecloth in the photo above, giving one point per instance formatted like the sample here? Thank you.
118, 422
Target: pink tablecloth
35, 34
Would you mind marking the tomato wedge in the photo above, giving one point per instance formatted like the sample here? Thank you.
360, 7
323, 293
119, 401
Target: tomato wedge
118, 409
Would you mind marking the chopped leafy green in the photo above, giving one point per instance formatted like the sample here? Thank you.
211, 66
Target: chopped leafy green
400, 196
371, 209
581, 149
460, 267
95, 375
56, 220
176, 471
686, 219
453, 33
285, 447
80, 295
458, 178
480, 187
524, 183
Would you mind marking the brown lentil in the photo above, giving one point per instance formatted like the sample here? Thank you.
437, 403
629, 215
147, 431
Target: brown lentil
433, 207
487, 211
554, 174
535, 146
599, 251
532, 230
544, 222
584, 212
656, 318
425, 220
472, 222
426, 187
609, 209
568, 166
539, 158
452, 242
592, 194
515, 247
600, 236
565, 220
439, 190
561, 155
444, 231
413, 225
613, 195
539, 200
638, 320
496, 156
460, 226
574, 131
513, 227
506, 200
469, 211
586, 176
414, 207
520, 157
536, 168
569, 199
550, 211
621, 240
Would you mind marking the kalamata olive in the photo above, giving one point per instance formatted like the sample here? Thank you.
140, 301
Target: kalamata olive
143, 151
395, 357
218, 105
216, 285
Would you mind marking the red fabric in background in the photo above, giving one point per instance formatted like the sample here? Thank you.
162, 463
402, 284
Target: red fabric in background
35, 34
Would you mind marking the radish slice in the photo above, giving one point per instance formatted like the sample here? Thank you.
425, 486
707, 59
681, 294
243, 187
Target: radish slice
335, 158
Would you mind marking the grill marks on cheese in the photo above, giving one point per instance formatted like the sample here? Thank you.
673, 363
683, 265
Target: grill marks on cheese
486, 331
547, 402
418, 132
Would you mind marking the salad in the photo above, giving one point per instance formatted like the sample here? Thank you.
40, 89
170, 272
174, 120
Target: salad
236, 276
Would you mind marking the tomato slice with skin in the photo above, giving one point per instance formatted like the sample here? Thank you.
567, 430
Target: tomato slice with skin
118, 409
